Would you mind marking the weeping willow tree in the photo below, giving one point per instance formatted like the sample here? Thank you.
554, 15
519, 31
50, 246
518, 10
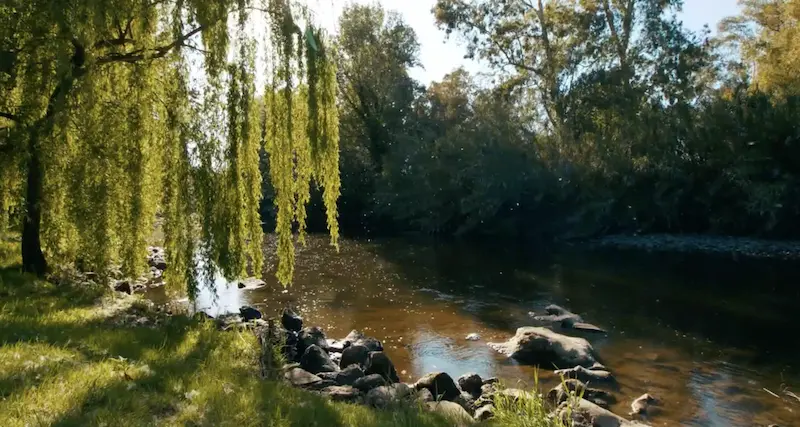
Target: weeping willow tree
113, 112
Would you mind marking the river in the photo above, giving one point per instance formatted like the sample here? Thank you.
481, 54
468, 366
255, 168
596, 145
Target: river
716, 340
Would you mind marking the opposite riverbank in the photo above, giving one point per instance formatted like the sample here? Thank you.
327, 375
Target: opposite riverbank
701, 244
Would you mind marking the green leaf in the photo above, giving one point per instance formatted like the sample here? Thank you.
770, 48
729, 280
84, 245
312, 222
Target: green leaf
310, 39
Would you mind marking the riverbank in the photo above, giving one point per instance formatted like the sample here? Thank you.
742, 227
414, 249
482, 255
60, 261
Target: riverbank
80, 354
702, 244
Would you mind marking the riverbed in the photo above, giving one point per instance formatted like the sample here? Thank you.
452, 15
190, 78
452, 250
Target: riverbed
714, 339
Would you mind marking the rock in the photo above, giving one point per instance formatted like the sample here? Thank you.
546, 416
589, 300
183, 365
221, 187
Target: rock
251, 283
123, 286
585, 327
291, 321
641, 405
440, 384
484, 413
346, 376
156, 258
591, 376
311, 336
299, 377
425, 395
558, 314
316, 360
357, 338
491, 380
488, 389
341, 393
335, 358
378, 363
471, 383
466, 401
452, 411
369, 382
249, 313
290, 346
573, 387
548, 349
354, 355
335, 346
473, 337
241, 285
513, 394
387, 395
585, 410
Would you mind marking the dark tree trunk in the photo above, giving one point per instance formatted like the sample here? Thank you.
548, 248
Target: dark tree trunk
32, 257
33, 260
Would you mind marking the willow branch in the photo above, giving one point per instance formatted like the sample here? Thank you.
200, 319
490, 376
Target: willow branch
9, 116
141, 54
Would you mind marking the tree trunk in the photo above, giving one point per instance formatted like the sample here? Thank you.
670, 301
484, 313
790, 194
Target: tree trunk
32, 256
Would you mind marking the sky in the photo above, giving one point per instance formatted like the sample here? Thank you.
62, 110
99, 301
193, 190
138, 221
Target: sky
439, 56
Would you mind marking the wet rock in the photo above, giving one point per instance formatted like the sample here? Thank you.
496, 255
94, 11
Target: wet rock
378, 363
291, 321
336, 358
440, 384
484, 413
572, 388
290, 346
311, 336
585, 327
558, 314
591, 376
357, 338
346, 376
251, 283
473, 337
642, 404
369, 382
387, 395
335, 346
548, 349
453, 411
471, 383
425, 395
241, 285
596, 416
299, 377
354, 355
339, 393
249, 313
316, 360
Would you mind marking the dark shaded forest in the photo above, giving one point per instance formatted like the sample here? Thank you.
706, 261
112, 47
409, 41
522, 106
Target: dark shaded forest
594, 117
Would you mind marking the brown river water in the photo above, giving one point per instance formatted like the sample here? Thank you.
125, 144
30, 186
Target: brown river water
715, 340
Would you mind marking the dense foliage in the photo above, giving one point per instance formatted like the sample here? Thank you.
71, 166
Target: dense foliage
595, 116
116, 110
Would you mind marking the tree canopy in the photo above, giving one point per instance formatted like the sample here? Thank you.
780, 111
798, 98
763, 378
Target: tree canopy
116, 111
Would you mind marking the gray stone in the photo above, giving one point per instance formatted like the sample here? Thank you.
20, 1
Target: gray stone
369, 382
354, 355
316, 360
594, 375
249, 313
641, 405
311, 336
471, 383
379, 363
291, 320
484, 413
341, 393
453, 411
299, 377
346, 376
584, 410
357, 338
387, 395
548, 349
573, 388
586, 327
440, 384
425, 395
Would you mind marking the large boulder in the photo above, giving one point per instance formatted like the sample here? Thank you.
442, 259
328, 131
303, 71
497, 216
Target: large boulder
471, 383
573, 388
316, 360
590, 376
354, 355
156, 258
484, 413
584, 410
548, 349
346, 376
378, 363
440, 384
558, 314
311, 336
453, 411
299, 377
387, 395
357, 338
369, 382
291, 320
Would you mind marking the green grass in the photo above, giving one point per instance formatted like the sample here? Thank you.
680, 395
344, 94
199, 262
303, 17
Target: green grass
66, 359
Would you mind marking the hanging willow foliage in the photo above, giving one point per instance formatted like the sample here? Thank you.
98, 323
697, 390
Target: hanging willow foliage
109, 128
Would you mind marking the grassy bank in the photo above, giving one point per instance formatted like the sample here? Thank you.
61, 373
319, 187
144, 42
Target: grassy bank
80, 356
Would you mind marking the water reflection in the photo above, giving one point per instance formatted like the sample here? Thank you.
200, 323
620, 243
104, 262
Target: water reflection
705, 336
